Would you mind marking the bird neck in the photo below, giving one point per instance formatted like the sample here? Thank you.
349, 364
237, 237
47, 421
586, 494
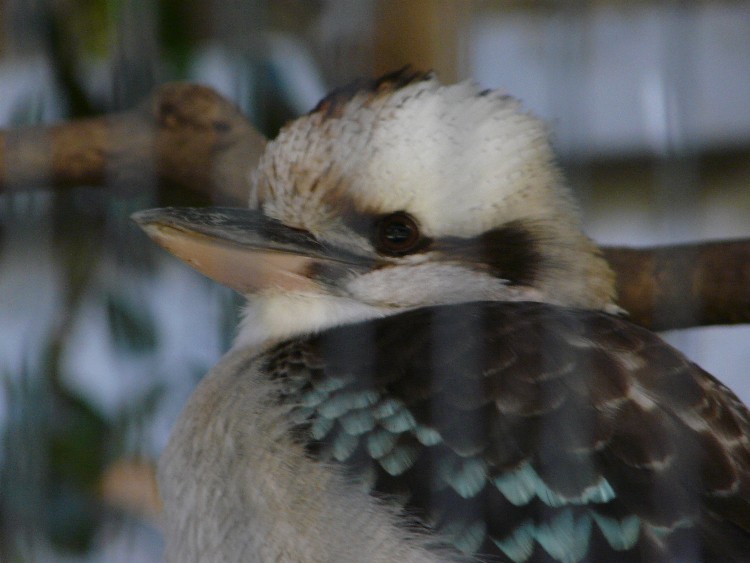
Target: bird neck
271, 318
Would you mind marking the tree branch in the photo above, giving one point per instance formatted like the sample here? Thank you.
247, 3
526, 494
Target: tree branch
184, 134
680, 286
190, 137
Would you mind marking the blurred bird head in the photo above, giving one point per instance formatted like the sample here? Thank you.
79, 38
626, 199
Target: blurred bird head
392, 195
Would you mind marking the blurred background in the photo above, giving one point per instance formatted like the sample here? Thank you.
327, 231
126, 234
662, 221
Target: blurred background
103, 336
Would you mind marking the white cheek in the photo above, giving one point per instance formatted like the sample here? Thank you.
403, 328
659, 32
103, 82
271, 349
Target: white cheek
411, 286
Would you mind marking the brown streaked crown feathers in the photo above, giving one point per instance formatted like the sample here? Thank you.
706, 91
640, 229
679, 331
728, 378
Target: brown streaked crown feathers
469, 166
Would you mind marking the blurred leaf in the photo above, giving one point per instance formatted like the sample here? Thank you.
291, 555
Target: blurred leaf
29, 110
72, 518
54, 448
177, 25
92, 22
65, 63
132, 327
77, 441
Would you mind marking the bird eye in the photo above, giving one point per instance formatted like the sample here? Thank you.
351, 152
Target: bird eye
397, 234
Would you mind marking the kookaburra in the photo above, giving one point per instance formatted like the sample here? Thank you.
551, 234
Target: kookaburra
431, 364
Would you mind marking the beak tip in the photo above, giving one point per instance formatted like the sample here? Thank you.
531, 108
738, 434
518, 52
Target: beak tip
146, 217
138, 217
151, 221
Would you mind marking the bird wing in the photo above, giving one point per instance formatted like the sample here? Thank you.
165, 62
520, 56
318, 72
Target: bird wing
525, 431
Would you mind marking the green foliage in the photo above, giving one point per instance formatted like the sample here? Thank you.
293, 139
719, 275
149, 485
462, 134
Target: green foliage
54, 446
176, 30
131, 326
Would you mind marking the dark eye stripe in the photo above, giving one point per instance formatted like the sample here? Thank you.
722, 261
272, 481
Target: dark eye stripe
509, 252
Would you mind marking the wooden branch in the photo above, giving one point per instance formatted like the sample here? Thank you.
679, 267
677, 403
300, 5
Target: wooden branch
190, 137
686, 285
184, 134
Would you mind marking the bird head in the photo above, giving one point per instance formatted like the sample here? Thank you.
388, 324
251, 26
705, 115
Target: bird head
393, 195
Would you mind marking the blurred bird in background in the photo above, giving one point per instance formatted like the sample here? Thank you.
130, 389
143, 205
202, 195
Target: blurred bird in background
432, 364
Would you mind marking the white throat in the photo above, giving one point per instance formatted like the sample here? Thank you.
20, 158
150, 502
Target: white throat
271, 318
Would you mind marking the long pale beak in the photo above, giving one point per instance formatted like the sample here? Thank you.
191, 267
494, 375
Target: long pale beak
244, 249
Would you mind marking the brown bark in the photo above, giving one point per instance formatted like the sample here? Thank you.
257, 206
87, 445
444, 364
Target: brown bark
686, 285
184, 134
190, 137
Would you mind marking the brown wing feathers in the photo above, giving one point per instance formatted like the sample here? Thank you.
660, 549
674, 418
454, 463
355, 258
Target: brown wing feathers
517, 427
